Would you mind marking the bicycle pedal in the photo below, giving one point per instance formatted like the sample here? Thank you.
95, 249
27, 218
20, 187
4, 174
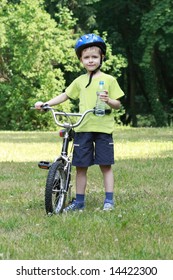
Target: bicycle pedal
44, 164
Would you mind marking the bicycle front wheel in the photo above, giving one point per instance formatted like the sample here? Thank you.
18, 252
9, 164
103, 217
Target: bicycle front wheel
55, 195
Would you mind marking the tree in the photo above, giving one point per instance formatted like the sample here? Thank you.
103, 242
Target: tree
32, 48
143, 32
156, 39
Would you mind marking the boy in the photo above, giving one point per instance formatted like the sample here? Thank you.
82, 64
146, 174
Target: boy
93, 143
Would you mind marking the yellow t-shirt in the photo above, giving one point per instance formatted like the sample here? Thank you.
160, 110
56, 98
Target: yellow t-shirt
87, 100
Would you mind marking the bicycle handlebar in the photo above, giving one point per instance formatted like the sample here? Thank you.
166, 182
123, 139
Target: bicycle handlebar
67, 125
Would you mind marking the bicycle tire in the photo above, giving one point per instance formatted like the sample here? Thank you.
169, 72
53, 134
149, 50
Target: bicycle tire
55, 196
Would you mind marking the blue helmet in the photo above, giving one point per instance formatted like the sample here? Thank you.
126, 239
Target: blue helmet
89, 40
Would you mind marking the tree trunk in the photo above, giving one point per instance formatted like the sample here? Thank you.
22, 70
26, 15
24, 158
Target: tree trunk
152, 89
132, 90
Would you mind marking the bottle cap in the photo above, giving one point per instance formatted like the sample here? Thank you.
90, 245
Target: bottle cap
101, 83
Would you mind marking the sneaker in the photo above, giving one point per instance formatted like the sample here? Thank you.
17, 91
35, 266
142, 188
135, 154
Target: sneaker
108, 205
74, 207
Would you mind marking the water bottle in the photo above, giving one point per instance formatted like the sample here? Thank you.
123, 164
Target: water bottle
100, 105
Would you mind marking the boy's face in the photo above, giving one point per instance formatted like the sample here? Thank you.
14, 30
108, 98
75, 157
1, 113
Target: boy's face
91, 58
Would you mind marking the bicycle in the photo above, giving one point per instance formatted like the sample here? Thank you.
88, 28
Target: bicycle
58, 183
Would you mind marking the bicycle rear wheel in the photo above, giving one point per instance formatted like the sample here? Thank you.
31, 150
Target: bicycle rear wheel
55, 196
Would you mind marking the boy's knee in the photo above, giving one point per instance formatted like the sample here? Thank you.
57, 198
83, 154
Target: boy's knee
81, 170
105, 168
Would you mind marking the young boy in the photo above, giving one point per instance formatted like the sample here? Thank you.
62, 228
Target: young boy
93, 143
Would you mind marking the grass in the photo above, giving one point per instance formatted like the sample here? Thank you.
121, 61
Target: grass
140, 227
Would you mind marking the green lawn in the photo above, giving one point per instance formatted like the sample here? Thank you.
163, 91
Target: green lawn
140, 227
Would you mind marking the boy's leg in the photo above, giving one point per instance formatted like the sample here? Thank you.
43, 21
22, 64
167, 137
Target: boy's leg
81, 181
108, 177
109, 186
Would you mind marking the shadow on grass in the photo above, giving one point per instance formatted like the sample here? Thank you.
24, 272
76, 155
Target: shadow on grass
29, 137
120, 134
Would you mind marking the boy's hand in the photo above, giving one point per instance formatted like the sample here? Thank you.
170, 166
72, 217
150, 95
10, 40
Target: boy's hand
104, 96
38, 105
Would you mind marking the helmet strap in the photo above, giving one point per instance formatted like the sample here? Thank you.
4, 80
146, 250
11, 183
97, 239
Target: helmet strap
90, 77
92, 73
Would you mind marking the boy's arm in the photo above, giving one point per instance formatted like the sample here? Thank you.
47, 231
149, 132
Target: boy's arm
54, 101
113, 103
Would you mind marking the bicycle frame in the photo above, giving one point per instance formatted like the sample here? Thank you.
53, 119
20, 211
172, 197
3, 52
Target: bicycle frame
65, 158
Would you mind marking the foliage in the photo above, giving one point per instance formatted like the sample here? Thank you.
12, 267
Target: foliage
82, 10
32, 50
156, 37
157, 28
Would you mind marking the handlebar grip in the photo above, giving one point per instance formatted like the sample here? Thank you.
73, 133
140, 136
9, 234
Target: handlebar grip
45, 107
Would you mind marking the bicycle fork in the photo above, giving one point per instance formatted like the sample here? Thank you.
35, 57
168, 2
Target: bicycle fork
68, 185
